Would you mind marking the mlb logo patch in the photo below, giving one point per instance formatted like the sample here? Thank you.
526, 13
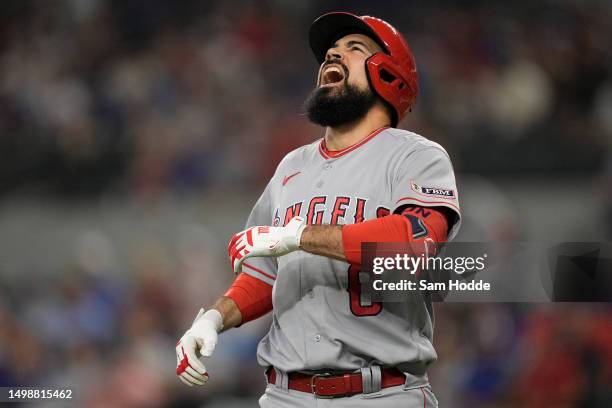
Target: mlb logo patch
433, 191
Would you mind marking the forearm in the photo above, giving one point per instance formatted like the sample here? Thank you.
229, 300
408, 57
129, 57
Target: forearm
344, 242
229, 312
325, 240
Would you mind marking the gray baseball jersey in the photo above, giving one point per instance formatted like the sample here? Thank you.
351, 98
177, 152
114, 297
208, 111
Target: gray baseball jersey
319, 318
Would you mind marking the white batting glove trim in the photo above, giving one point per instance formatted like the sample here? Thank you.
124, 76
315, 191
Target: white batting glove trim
265, 241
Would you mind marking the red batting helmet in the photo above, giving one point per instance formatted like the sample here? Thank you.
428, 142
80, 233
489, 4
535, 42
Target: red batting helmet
393, 75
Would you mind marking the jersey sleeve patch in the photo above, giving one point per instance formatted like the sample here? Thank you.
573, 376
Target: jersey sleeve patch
433, 191
425, 177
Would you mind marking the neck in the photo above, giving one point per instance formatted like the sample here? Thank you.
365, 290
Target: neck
341, 137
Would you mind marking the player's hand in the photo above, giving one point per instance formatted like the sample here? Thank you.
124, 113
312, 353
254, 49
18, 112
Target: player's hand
265, 241
199, 340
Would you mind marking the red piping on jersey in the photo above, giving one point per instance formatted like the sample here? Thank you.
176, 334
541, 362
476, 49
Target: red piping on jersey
267, 275
332, 154
427, 202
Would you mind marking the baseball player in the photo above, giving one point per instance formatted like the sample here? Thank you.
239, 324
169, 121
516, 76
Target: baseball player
300, 256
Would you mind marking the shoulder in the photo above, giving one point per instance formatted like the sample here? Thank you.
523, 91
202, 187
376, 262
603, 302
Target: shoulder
297, 157
301, 154
409, 141
406, 143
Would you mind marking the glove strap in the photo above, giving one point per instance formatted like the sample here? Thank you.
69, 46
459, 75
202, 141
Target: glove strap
296, 235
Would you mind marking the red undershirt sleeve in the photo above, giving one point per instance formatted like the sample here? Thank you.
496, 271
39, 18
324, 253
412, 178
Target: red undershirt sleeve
414, 224
252, 296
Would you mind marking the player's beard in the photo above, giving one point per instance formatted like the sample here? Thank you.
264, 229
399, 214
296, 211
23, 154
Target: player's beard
327, 107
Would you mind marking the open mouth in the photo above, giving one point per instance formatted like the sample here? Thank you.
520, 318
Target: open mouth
332, 75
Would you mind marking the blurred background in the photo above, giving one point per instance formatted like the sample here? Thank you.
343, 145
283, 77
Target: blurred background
135, 135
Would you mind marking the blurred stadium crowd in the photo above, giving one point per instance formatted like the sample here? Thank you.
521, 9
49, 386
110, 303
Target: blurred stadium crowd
151, 103
150, 96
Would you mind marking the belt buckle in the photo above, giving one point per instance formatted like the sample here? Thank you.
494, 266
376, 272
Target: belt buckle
313, 388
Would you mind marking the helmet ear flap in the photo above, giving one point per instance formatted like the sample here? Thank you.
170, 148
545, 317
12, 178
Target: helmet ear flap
384, 77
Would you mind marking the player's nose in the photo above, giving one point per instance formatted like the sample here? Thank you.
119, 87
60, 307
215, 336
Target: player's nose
333, 53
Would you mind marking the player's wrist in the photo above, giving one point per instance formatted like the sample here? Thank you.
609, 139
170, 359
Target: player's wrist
300, 240
210, 320
295, 229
